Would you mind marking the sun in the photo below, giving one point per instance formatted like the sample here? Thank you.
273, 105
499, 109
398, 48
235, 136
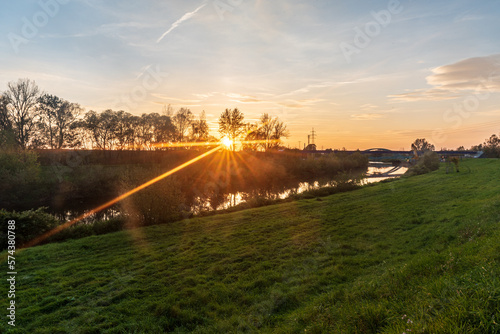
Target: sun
226, 142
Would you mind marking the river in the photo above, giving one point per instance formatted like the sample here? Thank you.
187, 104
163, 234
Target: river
376, 172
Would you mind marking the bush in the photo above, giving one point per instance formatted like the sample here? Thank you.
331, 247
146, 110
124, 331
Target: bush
159, 203
427, 163
82, 230
29, 225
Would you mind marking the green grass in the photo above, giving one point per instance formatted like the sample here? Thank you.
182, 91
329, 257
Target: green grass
415, 255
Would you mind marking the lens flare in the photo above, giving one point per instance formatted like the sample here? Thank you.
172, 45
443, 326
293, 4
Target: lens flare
227, 143
106, 205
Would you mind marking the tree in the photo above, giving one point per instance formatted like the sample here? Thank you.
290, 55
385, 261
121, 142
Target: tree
492, 142
22, 98
199, 129
182, 121
124, 130
491, 147
231, 124
6, 130
421, 145
253, 137
279, 131
102, 128
265, 129
144, 131
58, 115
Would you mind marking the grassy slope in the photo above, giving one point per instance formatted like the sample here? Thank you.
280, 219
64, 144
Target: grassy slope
420, 253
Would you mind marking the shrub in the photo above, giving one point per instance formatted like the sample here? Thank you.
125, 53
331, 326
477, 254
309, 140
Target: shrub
82, 230
427, 163
29, 225
159, 203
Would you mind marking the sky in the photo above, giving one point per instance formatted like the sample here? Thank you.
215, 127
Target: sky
364, 74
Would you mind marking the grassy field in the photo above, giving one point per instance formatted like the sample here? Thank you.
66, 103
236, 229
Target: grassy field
415, 255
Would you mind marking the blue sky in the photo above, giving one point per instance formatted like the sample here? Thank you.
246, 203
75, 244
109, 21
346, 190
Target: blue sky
412, 69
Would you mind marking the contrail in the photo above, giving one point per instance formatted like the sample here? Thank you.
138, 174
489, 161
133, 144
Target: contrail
174, 25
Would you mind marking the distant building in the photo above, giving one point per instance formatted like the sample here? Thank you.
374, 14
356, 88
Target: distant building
310, 147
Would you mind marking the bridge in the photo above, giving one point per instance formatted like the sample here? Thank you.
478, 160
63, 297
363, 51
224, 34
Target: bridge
383, 154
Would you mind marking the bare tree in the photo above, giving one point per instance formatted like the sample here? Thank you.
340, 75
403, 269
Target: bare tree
266, 128
231, 124
199, 129
279, 131
182, 121
22, 97
271, 130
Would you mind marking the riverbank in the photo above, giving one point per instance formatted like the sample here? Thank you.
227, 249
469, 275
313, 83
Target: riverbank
418, 253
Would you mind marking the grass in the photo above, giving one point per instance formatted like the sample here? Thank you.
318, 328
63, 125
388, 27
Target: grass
414, 255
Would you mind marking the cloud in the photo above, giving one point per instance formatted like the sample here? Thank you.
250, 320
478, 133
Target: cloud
473, 73
367, 117
176, 101
467, 17
239, 98
478, 74
424, 95
185, 17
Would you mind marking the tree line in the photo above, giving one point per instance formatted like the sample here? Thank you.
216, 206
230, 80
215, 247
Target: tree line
30, 119
490, 147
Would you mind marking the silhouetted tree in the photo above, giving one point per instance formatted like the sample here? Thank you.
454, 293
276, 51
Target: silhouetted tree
231, 124
57, 116
144, 131
22, 98
124, 130
422, 145
491, 147
199, 129
6, 130
252, 137
182, 121
279, 131
102, 128
265, 129
163, 130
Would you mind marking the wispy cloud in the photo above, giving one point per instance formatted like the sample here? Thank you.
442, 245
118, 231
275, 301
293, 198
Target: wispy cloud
433, 94
367, 117
185, 17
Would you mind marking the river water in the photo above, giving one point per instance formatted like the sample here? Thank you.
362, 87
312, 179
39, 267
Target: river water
376, 172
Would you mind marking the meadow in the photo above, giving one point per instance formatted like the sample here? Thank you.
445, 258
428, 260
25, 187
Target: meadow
418, 254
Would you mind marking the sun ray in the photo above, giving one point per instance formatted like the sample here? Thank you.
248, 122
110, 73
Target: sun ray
173, 145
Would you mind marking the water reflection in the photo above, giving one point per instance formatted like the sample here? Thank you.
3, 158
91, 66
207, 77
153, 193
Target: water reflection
221, 201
